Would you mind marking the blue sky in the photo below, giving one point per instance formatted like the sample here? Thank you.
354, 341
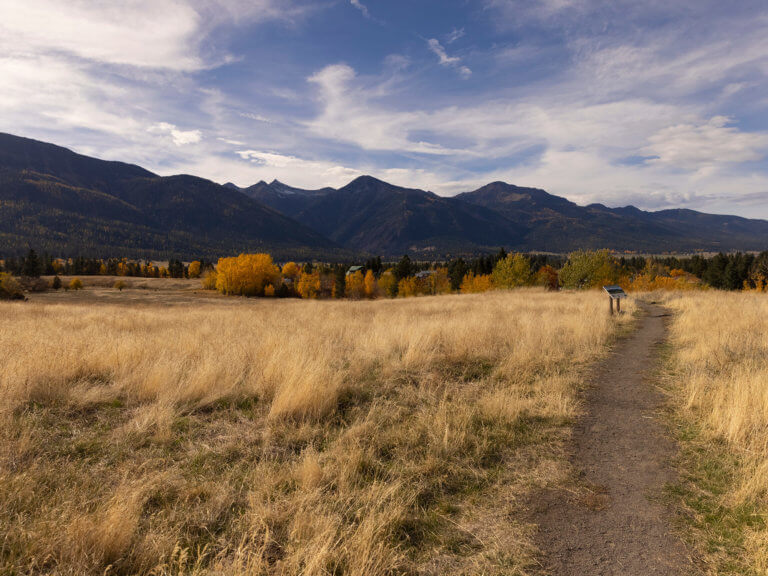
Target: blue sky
656, 103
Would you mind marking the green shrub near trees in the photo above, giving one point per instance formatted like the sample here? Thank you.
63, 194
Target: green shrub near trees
588, 269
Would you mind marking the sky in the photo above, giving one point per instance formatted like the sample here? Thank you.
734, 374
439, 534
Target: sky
654, 103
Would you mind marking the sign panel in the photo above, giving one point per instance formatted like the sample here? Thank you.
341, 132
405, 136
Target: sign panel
615, 292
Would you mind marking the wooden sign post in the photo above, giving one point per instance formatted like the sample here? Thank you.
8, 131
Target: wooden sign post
615, 293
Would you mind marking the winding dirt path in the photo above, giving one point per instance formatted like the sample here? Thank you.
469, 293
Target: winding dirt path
612, 524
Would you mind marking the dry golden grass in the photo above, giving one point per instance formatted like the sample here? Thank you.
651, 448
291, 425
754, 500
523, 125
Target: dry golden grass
720, 363
285, 437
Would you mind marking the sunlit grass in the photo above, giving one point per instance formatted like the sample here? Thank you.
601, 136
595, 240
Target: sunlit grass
286, 437
719, 384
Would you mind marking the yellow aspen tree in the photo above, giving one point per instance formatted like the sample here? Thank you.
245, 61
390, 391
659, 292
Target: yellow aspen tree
407, 288
194, 269
355, 286
439, 282
291, 270
370, 285
388, 284
309, 285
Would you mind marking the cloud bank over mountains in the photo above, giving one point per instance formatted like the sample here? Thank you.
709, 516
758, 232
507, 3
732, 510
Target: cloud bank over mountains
656, 103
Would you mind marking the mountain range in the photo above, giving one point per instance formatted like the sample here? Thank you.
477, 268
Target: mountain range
55, 200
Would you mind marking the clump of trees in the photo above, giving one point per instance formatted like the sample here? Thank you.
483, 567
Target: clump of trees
247, 275
34, 265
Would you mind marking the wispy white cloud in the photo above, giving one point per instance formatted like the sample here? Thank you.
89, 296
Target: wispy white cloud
454, 35
362, 7
445, 60
441, 54
257, 117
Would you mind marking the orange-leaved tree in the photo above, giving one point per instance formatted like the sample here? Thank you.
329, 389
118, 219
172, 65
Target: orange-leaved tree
291, 270
309, 285
194, 269
472, 284
246, 275
407, 287
440, 282
355, 286
547, 277
370, 285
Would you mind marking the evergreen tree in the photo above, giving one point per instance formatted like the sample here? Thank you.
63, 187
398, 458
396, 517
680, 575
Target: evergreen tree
340, 280
33, 266
457, 269
404, 268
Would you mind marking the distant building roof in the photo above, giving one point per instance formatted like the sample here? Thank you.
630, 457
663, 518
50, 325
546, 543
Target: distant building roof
425, 274
353, 269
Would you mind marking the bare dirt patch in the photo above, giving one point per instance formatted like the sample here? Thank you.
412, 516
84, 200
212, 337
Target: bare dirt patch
609, 519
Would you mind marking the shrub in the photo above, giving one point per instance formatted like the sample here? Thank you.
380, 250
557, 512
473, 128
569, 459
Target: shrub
10, 289
56, 284
34, 284
209, 280
75, 284
269, 291
120, 284
588, 269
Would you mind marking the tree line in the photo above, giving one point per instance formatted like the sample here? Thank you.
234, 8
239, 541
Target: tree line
260, 275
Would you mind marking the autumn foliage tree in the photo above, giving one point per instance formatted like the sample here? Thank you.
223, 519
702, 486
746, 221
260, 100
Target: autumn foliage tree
512, 271
407, 287
355, 285
309, 285
194, 269
438, 282
474, 284
246, 274
388, 284
292, 271
370, 285
547, 277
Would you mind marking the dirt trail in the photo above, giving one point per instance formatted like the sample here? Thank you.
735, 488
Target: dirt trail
612, 524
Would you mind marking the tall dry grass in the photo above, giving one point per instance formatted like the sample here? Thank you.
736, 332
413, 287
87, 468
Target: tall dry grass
285, 437
720, 362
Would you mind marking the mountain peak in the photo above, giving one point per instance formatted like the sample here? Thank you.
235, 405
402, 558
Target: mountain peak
367, 179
